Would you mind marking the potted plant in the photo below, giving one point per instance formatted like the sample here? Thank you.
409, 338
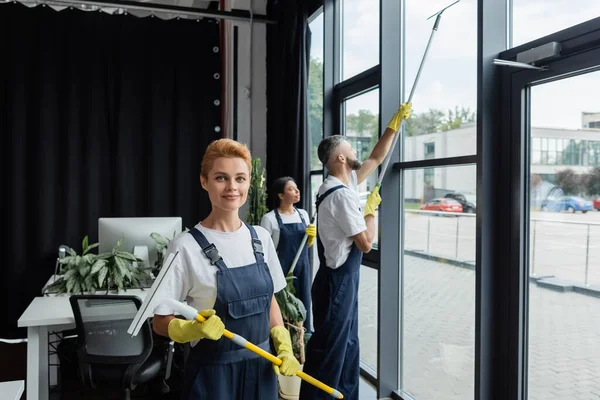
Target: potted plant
79, 273
294, 314
90, 272
257, 196
122, 269
162, 243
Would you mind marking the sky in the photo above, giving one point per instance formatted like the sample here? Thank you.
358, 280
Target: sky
449, 75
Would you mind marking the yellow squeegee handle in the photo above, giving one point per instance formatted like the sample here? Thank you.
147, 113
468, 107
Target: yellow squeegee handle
265, 354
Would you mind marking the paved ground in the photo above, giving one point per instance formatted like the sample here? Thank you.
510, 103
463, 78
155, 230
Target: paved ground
439, 335
560, 246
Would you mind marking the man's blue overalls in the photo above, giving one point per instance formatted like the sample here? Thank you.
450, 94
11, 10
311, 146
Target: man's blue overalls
332, 353
221, 370
290, 237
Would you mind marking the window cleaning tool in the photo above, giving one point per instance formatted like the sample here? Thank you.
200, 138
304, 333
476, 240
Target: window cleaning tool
155, 298
438, 16
191, 313
304, 239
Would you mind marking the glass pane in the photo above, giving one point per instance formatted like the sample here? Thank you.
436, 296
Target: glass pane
367, 316
361, 127
536, 18
445, 100
360, 36
564, 256
315, 90
439, 283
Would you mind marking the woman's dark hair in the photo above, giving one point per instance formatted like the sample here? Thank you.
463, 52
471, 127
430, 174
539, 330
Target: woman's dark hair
279, 187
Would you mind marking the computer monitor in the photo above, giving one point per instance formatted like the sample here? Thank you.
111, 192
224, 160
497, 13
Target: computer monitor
136, 232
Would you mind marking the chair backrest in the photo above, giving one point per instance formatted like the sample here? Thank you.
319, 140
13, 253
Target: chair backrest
102, 322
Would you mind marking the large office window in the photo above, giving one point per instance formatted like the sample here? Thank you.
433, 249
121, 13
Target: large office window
563, 350
444, 104
360, 36
439, 283
315, 90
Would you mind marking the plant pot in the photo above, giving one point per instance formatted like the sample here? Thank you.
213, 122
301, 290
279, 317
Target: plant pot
289, 386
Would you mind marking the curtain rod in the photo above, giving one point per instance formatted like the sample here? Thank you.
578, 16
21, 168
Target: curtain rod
235, 15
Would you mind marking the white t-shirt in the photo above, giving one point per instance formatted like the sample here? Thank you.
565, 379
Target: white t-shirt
269, 222
340, 217
193, 278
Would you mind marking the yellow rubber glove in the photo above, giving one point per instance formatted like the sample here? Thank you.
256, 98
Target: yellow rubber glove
403, 113
283, 344
311, 231
184, 331
373, 202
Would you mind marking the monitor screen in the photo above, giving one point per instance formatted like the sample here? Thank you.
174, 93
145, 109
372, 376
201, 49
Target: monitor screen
136, 232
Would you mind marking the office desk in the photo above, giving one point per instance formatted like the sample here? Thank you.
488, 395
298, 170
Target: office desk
12, 390
44, 314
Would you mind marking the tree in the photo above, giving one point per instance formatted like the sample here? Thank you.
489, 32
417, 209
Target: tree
315, 108
569, 181
435, 120
365, 123
592, 186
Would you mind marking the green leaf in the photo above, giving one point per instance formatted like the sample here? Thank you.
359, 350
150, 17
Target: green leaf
97, 266
91, 247
84, 243
70, 285
128, 256
85, 270
72, 252
160, 240
102, 276
119, 243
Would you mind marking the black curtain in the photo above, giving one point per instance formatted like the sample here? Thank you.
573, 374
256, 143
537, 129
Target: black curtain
288, 57
101, 116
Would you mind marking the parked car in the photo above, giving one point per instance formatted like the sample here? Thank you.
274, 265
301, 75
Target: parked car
442, 204
567, 203
596, 203
466, 201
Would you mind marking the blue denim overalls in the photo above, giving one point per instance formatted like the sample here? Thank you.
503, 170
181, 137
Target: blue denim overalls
332, 353
221, 370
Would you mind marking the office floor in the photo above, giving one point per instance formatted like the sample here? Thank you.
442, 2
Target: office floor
72, 390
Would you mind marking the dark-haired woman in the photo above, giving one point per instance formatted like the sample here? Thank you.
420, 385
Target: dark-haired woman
287, 226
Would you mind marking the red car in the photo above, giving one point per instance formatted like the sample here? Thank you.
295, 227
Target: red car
442, 204
596, 203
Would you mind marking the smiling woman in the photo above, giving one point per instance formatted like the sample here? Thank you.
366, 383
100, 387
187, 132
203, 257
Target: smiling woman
245, 261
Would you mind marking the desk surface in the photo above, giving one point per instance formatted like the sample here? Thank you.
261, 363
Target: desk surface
56, 309
12, 390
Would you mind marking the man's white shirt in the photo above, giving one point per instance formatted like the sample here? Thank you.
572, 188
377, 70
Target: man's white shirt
340, 217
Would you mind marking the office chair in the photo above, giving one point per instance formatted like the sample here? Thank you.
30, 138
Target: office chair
106, 353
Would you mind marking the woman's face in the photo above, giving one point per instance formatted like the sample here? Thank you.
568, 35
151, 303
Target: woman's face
291, 193
227, 183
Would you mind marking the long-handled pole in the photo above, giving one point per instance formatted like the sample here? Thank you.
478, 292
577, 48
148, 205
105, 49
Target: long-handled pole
412, 90
312, 220
191, 313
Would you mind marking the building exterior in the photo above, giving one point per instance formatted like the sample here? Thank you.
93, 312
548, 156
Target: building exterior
552, 150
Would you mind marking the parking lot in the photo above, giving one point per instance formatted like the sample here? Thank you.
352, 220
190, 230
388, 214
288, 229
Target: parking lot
438, 335
563, 245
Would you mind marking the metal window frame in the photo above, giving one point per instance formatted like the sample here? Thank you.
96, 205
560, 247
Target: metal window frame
499, 341
517, 92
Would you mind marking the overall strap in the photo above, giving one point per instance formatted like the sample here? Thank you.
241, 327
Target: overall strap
209, 249
301, 217
256, 245
279, 220
327, 193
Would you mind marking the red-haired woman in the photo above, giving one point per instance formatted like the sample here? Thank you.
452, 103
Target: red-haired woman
230, 271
